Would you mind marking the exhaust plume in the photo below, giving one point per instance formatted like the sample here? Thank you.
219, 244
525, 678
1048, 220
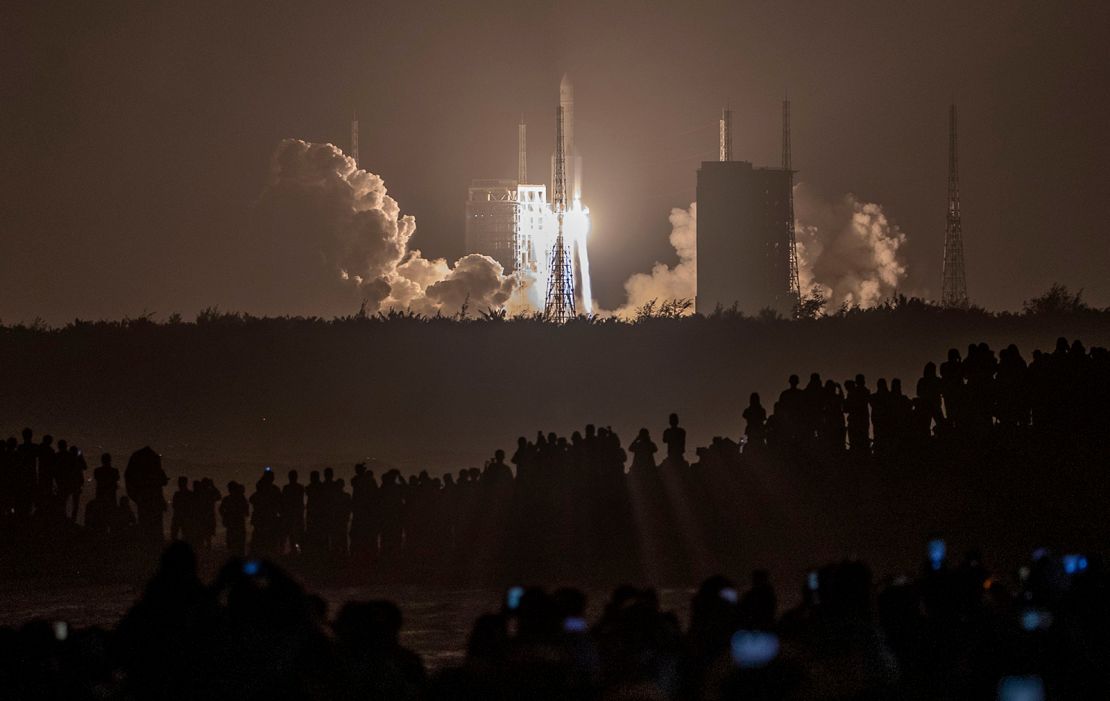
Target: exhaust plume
849, 253
665, 283
334, 239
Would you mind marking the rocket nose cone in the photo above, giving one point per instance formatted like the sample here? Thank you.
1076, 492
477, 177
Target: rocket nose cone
565, 88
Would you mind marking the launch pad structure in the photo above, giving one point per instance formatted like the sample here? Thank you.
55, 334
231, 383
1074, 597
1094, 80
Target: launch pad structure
541, 242
954, 282
559, 301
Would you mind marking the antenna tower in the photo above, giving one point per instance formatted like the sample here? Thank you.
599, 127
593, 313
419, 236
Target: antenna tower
522, 152
954, 288
791, 245
726, 135
559, 303
354, 137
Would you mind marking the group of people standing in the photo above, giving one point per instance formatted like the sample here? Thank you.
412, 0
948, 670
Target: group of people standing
561, 487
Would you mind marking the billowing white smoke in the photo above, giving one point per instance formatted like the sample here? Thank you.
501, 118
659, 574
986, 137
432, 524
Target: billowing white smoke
332, 239
665, 283
849, 253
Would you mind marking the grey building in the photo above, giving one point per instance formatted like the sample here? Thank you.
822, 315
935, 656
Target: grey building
491, 220
743, 238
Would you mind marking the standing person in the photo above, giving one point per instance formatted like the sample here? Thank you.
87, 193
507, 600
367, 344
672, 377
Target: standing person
99, 511
25, 482
929, 392
755, 420
329, 509
144, 479
44, 487
314, 513
208, 499
675, 439
292, 513
70, 479
643, 454
233, 514
181, 504
857, 404
392, 508
789, 411
265, 515
364, 532
342, 518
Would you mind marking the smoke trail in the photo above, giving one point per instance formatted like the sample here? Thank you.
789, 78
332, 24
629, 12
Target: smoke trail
849, 252
331, 238
665, 283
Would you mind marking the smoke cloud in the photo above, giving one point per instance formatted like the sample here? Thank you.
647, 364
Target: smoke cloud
848, 251
332, 239
665, 283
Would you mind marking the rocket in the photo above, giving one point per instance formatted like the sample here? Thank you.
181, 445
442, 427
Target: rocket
574, 161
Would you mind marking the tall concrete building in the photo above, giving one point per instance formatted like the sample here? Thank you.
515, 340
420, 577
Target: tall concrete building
744, 237
491, 220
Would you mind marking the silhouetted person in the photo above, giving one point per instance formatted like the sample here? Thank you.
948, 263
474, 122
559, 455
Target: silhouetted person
364, 529
368, 637
341, 516
643, 454
100, 511
266, 515
929, 392
524, 459
789, 412
207, 497
233, 514
25, 483
675, 439
123, 523
759, 605
182, 505
952, 387
812, 402
107, 479
144, 480
292, 513
882, 415
496, 471
857, 407
832, 428
70, 478
166, 642
755, 424
392, 506
314, 513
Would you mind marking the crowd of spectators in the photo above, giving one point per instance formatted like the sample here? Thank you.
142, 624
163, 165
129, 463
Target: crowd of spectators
951, 631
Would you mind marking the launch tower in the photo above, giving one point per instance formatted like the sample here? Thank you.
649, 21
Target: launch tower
954, 287
559, 302
792, 245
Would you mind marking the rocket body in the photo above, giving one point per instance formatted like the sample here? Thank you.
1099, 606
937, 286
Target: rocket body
574, 161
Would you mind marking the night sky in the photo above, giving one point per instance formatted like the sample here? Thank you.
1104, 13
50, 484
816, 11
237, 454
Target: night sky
136, 136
